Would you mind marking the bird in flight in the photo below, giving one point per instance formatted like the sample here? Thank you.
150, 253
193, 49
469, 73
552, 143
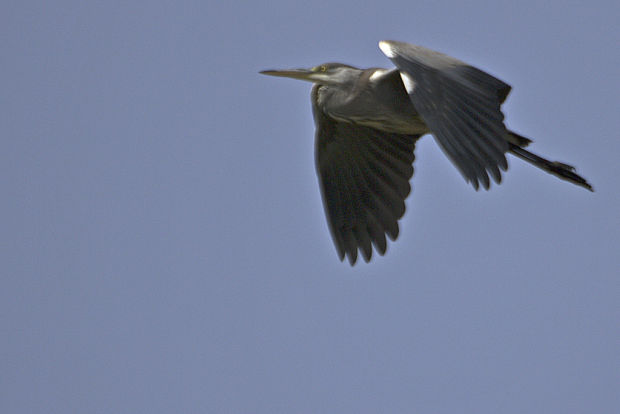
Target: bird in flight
367, 124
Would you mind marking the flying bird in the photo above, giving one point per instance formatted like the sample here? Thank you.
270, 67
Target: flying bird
368, 122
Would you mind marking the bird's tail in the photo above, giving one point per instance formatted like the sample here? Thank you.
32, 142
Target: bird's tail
559, 169
518, 140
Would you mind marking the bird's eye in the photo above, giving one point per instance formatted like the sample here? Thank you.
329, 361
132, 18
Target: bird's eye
322, 68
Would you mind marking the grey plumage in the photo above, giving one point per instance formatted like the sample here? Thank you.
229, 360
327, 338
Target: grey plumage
368, 121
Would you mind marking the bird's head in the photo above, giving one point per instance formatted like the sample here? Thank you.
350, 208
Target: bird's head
325, 74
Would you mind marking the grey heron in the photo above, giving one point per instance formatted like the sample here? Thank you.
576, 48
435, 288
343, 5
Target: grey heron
368, 122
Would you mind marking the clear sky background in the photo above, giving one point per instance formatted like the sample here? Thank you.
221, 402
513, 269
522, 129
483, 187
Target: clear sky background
163, 243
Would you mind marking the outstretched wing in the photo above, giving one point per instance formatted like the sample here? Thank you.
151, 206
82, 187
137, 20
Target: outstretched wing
460, 105
364, 177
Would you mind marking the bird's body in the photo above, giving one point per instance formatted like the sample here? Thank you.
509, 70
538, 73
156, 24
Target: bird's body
385, 94
368, 121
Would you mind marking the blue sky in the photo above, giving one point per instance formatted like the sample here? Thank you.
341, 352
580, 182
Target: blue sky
163, 242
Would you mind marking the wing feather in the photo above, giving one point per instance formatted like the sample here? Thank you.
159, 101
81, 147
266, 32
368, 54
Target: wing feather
364, 176
460, 105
